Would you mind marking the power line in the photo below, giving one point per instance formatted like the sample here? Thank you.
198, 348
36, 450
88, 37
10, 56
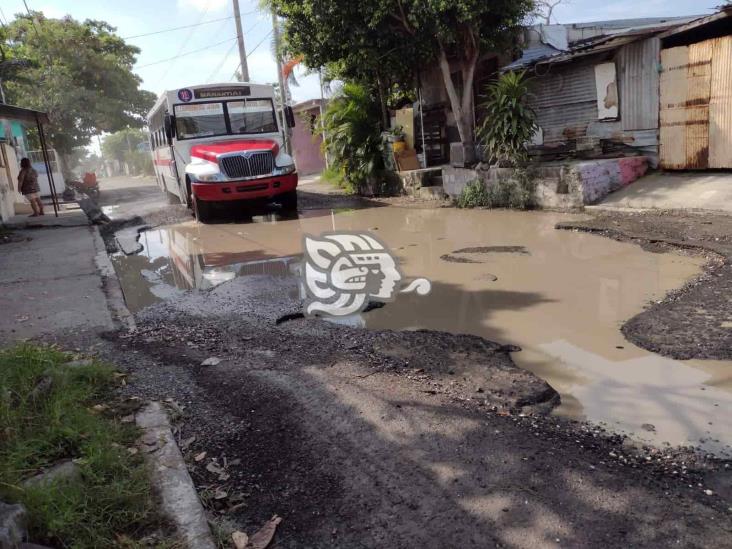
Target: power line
178, 28
223, 61
252, 51
189, 34
186, 26
186, 53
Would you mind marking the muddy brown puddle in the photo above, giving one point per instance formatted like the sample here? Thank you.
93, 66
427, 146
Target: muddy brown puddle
507, 276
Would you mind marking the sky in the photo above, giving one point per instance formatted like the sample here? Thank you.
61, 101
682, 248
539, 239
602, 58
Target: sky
216, 63
218, 59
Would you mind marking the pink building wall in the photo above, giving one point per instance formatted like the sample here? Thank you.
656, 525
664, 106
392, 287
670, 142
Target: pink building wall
306, 146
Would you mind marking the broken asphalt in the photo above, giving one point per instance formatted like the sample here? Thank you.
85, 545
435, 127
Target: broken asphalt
371, 439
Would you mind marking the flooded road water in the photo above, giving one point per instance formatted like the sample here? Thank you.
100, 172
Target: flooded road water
509, 277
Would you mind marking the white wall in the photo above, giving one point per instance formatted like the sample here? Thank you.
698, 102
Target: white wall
8, 182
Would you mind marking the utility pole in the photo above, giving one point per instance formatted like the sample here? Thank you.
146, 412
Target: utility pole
322, 112
242, 49
281, 80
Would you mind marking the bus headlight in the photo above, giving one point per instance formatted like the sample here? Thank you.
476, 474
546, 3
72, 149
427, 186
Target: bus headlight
210, 177
284, 170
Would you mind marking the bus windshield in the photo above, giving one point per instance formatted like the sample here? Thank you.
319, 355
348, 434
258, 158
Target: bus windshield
247, 116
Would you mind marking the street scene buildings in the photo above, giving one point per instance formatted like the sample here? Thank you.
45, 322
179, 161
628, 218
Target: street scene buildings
383, 274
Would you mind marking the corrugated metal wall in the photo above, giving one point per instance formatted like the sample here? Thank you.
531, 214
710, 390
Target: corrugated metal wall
720, 105
696, 105
699, 76
565, 101
674, 90
639, 80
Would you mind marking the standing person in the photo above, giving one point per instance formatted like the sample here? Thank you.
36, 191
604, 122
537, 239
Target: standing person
28, 186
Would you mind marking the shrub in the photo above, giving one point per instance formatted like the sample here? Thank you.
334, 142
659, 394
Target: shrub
516, 192
352, 127
474, 195
509, 122
335, 176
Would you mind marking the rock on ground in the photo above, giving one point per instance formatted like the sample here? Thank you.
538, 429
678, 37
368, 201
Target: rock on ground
13, 520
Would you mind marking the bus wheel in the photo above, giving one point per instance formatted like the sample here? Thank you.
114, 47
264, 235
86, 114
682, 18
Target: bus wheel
203, 210
288, 201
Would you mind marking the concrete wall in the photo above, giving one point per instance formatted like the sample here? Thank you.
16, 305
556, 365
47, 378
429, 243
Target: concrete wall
562, 186
306, 146
8, 182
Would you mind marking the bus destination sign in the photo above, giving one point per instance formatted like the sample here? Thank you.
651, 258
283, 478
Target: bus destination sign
212, 93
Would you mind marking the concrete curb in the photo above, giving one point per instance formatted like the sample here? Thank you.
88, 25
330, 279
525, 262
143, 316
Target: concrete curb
111, 285
171, 479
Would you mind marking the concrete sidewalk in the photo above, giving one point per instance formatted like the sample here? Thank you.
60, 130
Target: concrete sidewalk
674, 191
67, 217
50, 283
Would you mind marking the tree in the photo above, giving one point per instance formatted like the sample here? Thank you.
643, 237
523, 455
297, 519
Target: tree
79, 73
545, 9
122, 146
115, 146
394, 37
337, 35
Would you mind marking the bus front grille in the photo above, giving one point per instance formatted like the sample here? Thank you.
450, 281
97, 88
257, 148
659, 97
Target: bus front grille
253, 165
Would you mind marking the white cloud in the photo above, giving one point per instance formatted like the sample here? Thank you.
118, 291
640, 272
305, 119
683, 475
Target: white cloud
204, 5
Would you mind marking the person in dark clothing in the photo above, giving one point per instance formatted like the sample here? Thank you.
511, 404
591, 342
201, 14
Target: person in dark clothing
28, 186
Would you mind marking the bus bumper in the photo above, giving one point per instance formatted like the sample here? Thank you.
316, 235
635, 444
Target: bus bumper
267, 187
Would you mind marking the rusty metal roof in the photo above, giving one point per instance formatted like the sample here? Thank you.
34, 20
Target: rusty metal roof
592, 46
723, 13
24, 115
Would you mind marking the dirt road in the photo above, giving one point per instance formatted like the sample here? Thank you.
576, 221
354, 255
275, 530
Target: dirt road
397, 439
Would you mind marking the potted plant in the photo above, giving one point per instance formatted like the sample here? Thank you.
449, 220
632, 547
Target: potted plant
395, 136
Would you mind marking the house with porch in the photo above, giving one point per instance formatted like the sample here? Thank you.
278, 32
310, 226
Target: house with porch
15, 145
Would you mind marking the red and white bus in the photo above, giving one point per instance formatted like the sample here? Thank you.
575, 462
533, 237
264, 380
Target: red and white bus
219, 143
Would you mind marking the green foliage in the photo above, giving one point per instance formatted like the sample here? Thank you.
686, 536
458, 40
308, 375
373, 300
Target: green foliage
112, 498
509, 122
474, 195
80, 73
117, 144
383, 43
336, 177
140, 163
516, 192
122, 146
353, 134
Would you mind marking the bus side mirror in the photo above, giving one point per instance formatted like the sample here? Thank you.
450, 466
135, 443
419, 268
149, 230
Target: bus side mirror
169, 127
290, 117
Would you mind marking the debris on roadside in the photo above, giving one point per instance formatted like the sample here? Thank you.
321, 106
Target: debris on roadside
261, 539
